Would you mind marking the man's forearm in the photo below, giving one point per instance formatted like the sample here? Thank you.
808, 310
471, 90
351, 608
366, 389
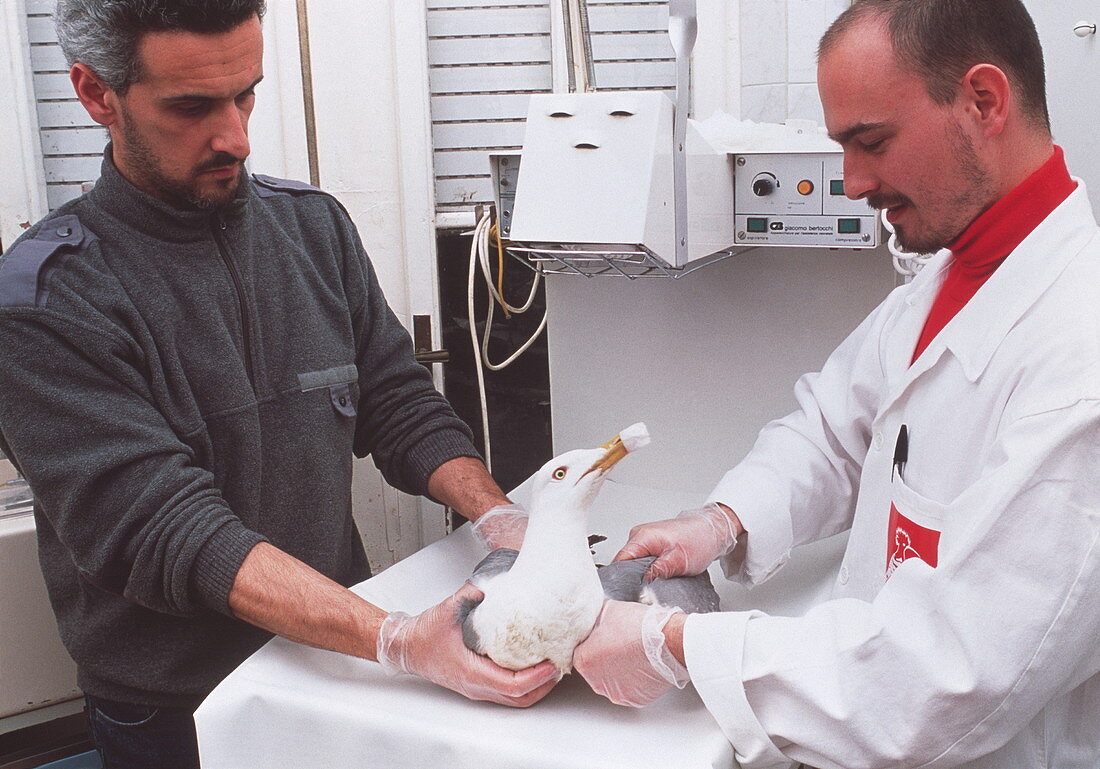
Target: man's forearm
279, 593
465, 485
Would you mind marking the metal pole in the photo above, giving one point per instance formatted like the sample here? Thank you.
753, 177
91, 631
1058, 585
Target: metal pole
579, 42
682, 30
307, 93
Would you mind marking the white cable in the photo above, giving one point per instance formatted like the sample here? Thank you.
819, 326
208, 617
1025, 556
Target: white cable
906, 263
483, 246
479, 254
483, 224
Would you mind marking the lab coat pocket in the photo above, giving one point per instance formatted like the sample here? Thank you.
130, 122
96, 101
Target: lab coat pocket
914, 527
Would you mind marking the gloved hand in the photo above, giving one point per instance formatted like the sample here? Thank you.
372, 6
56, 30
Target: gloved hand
625, 657
685, 545
430, 645
501, 526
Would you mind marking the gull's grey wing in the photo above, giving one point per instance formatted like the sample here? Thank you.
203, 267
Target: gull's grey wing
497, 562
622, 581
469, 635
694, 595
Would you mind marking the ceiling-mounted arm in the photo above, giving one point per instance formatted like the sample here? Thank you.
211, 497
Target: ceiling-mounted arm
579, 46
683, 28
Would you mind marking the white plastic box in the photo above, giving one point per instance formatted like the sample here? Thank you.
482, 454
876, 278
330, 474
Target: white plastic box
597, 170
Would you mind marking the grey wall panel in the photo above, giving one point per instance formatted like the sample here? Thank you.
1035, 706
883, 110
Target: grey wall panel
488, 21
485, 59
72, 143
488, 56
47, 57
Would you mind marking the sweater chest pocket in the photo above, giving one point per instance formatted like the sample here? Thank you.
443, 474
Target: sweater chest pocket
341, 384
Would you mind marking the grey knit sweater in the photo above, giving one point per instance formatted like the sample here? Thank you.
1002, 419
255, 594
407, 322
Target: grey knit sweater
179, 386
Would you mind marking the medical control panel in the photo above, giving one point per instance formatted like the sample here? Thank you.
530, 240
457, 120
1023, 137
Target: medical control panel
797, 199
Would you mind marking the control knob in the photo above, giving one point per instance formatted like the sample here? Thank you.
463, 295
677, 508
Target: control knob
764, 185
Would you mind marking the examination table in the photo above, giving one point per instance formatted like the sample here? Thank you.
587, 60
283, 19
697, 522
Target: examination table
289, 705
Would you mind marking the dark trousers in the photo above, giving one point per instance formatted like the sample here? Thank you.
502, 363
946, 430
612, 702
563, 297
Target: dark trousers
130, 736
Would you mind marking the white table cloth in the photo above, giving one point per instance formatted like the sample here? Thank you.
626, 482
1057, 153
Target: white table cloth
293, 706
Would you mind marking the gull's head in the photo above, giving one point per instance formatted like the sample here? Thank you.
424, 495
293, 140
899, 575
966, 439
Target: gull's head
572, 480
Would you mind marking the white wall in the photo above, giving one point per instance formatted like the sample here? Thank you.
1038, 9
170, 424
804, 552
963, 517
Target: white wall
373, 133
705, 360
717, 53
1073, 85
23, 193
708, 359
369, 76
355, 93
277, 130
779, 57
778, 68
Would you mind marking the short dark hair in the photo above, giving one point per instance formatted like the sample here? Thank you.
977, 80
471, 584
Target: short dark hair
940, 40
104, 34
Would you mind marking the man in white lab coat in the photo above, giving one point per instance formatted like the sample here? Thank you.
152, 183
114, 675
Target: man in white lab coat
955, 434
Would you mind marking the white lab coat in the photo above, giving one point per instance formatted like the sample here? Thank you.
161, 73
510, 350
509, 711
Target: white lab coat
991, 659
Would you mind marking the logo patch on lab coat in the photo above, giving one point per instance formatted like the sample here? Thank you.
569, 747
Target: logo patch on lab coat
909, 540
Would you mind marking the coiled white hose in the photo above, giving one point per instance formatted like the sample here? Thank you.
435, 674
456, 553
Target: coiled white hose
906, 263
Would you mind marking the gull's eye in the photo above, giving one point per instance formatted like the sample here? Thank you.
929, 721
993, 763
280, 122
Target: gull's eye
560, 473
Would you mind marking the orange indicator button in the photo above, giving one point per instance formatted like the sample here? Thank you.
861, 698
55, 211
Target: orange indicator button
805, 187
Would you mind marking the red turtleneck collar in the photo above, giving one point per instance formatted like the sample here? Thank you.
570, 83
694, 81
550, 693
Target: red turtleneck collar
990, 238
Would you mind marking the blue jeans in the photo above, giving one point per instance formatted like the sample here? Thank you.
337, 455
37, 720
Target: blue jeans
130, 736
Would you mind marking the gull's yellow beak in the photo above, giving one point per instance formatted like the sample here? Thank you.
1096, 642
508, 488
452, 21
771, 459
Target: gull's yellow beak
615, 450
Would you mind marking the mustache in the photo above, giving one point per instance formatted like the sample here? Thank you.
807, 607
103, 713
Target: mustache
220, 160
880, 202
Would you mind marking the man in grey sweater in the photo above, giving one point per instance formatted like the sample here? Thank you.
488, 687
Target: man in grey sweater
192, 357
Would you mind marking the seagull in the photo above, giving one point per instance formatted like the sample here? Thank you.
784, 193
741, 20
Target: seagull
543, 600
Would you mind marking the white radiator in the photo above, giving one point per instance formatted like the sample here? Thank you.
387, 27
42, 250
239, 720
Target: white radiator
35, 669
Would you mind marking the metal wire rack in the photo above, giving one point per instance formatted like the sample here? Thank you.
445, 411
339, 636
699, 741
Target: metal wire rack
617, 261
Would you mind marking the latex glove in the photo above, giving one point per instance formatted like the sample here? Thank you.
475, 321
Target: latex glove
685, 545
502, 526
430, 645
625, 657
